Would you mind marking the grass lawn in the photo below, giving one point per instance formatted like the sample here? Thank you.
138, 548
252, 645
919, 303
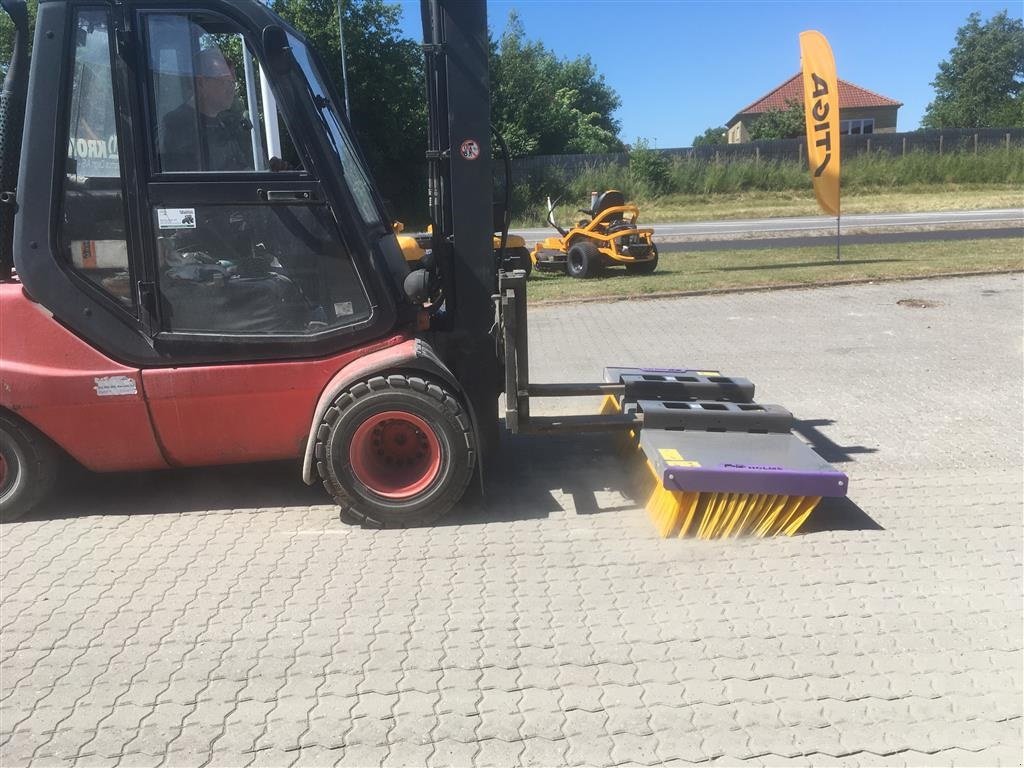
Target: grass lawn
765, 204
757, 205
772, 267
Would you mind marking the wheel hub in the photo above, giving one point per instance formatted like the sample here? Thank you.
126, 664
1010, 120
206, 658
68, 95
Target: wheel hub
395, 454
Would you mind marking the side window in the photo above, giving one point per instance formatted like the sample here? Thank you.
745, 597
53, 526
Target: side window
255, 269
356, 176
93, 223
253, 257
209, 105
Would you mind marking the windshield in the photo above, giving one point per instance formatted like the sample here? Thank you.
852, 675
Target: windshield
355, 174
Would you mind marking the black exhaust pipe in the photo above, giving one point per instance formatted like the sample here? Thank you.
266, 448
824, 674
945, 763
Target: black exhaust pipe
12, 125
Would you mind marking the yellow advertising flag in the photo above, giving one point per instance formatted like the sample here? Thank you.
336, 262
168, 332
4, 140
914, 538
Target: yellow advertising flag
821, 116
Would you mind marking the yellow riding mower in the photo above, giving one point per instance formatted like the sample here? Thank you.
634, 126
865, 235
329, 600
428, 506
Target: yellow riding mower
608, 238
415, 246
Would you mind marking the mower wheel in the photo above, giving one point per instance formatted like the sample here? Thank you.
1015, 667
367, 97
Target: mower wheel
28, 467
395, 451
644, 267
583, 260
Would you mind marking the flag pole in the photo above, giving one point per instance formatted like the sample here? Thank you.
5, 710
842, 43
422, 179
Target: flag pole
838, 256
344, 67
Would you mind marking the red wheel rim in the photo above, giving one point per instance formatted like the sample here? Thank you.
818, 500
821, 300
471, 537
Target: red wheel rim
3, 471
395, 454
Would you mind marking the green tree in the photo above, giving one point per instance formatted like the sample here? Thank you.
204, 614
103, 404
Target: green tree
7, 34
785, 123
713, 135
981, 85
385, 84
546, 105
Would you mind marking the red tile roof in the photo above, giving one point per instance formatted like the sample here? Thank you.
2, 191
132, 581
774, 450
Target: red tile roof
850, 97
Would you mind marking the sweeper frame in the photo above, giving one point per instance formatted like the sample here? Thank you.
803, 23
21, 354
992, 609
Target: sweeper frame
162, 316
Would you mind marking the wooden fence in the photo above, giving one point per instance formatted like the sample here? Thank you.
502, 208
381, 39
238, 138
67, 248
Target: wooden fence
949, 140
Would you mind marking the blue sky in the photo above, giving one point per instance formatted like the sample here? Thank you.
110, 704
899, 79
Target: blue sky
680, 67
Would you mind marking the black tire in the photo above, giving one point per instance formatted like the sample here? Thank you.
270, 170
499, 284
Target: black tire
28, 467
644, 267
583, 260
350, 461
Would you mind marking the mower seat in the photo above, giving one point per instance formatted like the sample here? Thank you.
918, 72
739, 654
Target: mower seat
610, 199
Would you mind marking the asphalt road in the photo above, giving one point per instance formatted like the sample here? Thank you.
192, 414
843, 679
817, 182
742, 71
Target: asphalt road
861, 238
810, 224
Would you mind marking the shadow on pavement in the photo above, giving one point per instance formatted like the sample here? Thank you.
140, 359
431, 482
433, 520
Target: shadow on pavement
839, 515
522, 477
528, 470
180, 491
526, 477
829, 450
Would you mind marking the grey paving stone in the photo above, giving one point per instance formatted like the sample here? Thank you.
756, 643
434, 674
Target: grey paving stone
407, 755
497, 753
551, 626
589, 750
449, 753
499, 725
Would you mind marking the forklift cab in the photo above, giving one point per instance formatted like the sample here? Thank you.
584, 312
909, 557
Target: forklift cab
211, 203
197, 269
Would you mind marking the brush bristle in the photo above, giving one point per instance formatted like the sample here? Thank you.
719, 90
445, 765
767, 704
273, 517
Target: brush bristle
723, 515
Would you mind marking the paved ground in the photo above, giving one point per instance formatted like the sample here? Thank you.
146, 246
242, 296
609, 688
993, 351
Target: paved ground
226, 616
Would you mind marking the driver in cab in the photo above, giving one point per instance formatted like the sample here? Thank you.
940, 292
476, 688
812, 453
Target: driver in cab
206, 132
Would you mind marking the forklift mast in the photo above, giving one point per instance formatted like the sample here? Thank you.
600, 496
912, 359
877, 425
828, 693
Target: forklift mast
460, 189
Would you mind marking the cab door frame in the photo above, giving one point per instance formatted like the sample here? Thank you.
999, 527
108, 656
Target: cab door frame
139, 341
309, 186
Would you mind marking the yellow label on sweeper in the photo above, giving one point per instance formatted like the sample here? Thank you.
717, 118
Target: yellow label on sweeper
673, 458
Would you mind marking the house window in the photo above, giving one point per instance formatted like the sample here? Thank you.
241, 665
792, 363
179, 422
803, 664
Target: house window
857, 127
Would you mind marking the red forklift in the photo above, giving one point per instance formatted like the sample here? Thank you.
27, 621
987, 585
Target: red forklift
197, 269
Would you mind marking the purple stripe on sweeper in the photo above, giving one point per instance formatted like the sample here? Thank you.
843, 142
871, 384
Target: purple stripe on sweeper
741, 478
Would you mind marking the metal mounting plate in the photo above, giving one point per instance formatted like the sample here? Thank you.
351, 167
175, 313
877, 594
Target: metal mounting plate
715, 416
680, 384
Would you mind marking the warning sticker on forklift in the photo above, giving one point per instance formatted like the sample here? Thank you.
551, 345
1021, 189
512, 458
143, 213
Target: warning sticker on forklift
115, 385
176, 218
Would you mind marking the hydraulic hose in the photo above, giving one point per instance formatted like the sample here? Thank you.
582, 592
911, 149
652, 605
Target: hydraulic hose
507, 217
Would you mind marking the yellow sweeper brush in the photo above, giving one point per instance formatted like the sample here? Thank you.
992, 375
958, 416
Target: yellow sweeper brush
713, 463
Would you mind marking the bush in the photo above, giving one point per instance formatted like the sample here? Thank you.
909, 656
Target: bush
651, 174
649, 170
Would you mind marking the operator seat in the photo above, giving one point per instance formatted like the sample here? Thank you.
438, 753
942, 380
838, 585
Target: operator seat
610, 199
